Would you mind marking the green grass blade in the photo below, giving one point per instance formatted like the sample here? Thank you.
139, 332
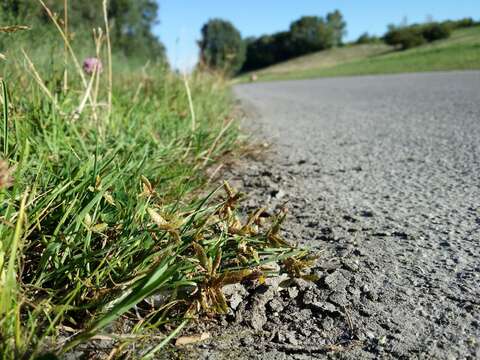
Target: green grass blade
5, 119
165, 341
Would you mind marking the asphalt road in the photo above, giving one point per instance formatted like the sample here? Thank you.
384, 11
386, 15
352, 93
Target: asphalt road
383, 171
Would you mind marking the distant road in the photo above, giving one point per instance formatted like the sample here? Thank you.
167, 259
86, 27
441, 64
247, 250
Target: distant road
391, 166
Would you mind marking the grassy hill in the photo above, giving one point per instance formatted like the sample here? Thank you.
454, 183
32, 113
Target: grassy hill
460, 52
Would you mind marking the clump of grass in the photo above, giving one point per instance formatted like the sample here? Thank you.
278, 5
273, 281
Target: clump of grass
103, 210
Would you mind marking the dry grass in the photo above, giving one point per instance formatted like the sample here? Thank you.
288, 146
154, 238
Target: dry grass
328, 58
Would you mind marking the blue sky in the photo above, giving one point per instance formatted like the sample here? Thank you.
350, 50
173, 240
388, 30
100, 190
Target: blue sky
181, 20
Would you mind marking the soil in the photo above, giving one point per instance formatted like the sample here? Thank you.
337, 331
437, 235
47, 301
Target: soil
381, 176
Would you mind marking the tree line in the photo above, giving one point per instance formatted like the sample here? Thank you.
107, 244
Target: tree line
305, 35
404, 37
131, 21
222, 46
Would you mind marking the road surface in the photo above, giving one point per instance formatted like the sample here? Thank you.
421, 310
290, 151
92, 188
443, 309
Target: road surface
383, 173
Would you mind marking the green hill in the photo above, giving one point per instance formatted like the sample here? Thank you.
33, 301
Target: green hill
459, 52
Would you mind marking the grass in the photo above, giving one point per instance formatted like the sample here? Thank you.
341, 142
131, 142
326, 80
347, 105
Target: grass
104, 206
460, 52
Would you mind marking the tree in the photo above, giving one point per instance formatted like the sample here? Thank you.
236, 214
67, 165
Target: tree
131, 21
366, 38
307, 34
406, 37
260, 53
311, 33
268, 50
16, 9
132, 24
338, 26
436, 31
222, 47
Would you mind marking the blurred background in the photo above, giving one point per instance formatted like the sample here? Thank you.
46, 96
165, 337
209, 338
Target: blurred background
252, 35
181, 20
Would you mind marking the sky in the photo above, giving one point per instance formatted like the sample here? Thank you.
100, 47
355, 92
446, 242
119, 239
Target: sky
180, 21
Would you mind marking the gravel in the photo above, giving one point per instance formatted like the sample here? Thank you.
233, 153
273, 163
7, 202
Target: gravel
381, 174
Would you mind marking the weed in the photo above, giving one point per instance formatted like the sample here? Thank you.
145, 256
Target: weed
106, 224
